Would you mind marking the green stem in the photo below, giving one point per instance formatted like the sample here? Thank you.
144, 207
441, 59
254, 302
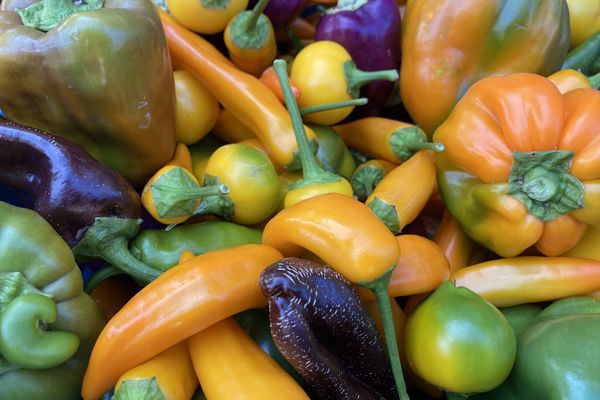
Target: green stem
294, 39
595, 81
408, 140
311, 170
361, 101
356, 78
254, 15
118, 254
178, 194
379, 288
48, 14
365, 180
99, 277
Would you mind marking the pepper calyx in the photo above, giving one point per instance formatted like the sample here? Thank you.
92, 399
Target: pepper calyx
46, 15
221, 206
139, 389
215, 4
250, 29
356, 78
406, 141
386, 213
541, 181
364, 181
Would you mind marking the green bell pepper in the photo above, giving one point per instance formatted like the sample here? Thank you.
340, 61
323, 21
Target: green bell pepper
95, 72
558, 353
161, 248
47, 324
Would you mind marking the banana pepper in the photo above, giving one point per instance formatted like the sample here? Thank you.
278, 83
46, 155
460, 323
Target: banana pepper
522, 164
48, 325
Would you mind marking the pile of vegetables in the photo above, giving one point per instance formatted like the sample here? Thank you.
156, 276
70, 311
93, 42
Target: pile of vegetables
299, 199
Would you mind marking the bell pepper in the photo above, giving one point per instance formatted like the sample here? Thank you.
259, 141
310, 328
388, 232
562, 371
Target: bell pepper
514, 181
447, 46
230, 365
161, 249
250, 40
93, 208
205, 16
181, 302
320, 325
346, 235
168, 375
101, 79
583, 18
511, 281
196, 109
459, 342
48, 325
557, 353
252, 103
403, 193
315, 179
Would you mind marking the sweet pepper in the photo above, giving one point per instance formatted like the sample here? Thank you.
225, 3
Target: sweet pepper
521, 164
48, 325
96, 72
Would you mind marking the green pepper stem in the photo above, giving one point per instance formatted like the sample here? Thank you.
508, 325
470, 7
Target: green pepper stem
364, 181
356, 78
178, 194
311, 170
361, 101
254, 15
99, 277
48, 14
408, 140
379, 287
594, 81
118, 254
22, 340
294, 39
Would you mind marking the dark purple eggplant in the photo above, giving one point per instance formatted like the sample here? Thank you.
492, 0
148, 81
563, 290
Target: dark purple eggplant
93, 208
282, 12
370, 31
322, 328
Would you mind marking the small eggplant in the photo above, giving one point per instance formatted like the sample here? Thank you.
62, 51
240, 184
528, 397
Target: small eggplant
282, 12
323, 329
370, 31
93, 208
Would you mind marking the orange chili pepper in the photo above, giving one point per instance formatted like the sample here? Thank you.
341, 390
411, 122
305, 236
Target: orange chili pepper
402, 194
181, 302
511, 281
251, 102
454, 242
230, 129
230, 365
345, 234
385, 138
269, 78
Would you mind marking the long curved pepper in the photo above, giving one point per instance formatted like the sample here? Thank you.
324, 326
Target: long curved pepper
248, 99
345, 234
315, 180
385, 138
250, 39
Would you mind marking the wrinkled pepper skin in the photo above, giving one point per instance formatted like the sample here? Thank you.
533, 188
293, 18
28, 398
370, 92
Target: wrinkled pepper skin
497, 177
323, 329
558, 356
449, 45
31, 247
160, 248
102, 79
66, 185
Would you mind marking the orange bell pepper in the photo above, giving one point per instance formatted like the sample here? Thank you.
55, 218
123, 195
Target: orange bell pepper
344, 233
230, 365
253, 104
518, 280
181, 302
522, 164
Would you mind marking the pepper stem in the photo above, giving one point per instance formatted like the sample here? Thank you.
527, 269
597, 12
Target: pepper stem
408, 140
250, 23
294, 39
594, 81
365, 180
379, 288
311, 170
108, 239
361, 101
356, 78
48, 14
99, 277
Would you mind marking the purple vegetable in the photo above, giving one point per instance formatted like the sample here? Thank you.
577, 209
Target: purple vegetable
282, 12
370, 31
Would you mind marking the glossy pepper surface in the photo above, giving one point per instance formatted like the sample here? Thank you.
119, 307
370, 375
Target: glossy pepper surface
447, 46
195, 294
100, 78
521, 164
39, 278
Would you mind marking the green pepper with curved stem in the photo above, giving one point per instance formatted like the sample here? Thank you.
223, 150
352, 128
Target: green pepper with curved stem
40, 281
